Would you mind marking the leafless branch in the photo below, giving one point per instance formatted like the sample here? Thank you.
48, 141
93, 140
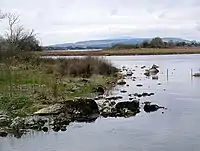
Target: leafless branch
13, 19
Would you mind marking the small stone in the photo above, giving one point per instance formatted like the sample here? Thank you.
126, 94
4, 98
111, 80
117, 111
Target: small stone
56, 128
45, 129
123, 91
3, 134
139, 85
63, 128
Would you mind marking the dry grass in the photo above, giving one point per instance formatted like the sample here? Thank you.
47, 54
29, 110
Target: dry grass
142, 51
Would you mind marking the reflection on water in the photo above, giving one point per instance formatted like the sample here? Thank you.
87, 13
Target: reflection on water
177, 129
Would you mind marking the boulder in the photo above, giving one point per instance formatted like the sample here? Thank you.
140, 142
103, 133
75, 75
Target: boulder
51, 110
132, 106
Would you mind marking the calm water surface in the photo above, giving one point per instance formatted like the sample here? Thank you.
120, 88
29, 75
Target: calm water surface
178, 129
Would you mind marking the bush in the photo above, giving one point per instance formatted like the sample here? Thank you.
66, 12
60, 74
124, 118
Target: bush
84, 67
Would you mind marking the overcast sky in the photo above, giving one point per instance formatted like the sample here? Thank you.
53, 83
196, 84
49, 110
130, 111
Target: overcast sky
58, 21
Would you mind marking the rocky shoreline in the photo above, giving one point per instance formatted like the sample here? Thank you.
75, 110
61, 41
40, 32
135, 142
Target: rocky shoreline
58, 116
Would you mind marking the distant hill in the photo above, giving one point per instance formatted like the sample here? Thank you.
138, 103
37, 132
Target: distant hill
107, 43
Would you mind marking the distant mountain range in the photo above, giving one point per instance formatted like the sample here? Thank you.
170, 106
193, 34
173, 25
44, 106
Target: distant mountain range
107, 43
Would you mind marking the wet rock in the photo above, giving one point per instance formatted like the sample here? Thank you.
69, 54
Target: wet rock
100, 90
148, 107
155, 66
144, 94
121, 82
56, 128
196, 75
113, 97
130, 99
63, 128
127, 85
3, 133
45, 129
153, 71
159, 83
5, 120
51, 110
18, 123
123, 91
132, 106
129, 73
143, 67
154, 77
139, 85
147, 73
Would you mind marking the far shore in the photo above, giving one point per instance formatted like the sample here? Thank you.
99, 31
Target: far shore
125, 52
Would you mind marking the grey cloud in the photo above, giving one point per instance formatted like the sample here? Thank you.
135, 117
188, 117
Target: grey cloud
58, 21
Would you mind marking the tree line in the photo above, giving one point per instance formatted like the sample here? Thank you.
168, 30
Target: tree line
156, 42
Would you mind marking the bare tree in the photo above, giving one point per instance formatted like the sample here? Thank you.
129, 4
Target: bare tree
13, 19
2, 15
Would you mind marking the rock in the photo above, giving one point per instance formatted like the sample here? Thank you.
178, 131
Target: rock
5, 120
139, 85
151, 108
129, 73
130, 99
18, 123
100, 90
127, 85
147, 73
132, 106
3, 134
121, 82
63, 128
196, 75
143, 67
51, 110
144, 94
159, 83
123, 91
153, 71
114, 98
45, 129
56, 128
81, 107
154, 66
154, 77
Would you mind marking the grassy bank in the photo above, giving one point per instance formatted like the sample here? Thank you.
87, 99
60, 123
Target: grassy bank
31, 83
113, 52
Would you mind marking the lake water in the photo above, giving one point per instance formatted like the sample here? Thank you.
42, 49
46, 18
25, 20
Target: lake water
178, 129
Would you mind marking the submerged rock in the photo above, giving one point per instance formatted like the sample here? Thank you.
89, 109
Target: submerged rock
139, 85
148, 107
